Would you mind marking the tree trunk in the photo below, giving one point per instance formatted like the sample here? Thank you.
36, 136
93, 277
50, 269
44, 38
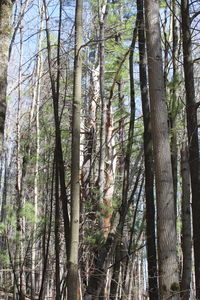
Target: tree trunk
148, 158
192, 132
58, 143
89, 148
36, 111
186, 226
101, 180
20, 228
174, 101
5, 37
166, 227
73, 277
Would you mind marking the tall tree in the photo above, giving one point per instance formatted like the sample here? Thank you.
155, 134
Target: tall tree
55, 90
148, 158
186, 225
192, 132
166, 227
102, 11
174, 104
5, 37
72, 291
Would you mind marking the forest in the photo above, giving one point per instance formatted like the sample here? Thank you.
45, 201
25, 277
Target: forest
99, 149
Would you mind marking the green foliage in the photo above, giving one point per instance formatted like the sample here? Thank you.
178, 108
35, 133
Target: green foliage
2, 227
4, 258
28, 211
105, 209
175, 287
163, 4
94, 239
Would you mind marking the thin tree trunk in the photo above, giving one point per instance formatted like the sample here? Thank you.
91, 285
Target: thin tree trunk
192, 132
148, 159
101, 179
36, 107
73, 278
186, 226
47, 237
110, 168
57, 233
174, 101
58, 142
19, 178
166, 227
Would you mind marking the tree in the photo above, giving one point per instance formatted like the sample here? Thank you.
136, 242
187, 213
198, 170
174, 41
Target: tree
148, 158
72, 292
102, 11
192, 133
166, 227
186, 225
116, 134
5, 37
174, 101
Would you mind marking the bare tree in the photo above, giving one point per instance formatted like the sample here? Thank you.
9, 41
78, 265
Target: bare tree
148, 158
73, 280
186, 225
192, 132
166, 226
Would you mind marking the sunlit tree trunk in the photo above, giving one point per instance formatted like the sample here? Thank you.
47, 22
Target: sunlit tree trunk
174, 100
110, 167
90, 136
192, 132
166, 227
73, 279
20, 228
5, 37
35, 112
101, 180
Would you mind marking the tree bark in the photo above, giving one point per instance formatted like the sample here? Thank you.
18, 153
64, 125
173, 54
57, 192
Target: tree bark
5, 37
174, 101
35, 111
166, 227
192, 132
73, 279
148, 159
186, 226
101, 179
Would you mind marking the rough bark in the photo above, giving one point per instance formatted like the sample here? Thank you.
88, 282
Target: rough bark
35, 112
110, 167
192, 132
86, 186
73, 279
101, 179
19, 251
174, 101
186, 226
148, 159
166, 227
5, 38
